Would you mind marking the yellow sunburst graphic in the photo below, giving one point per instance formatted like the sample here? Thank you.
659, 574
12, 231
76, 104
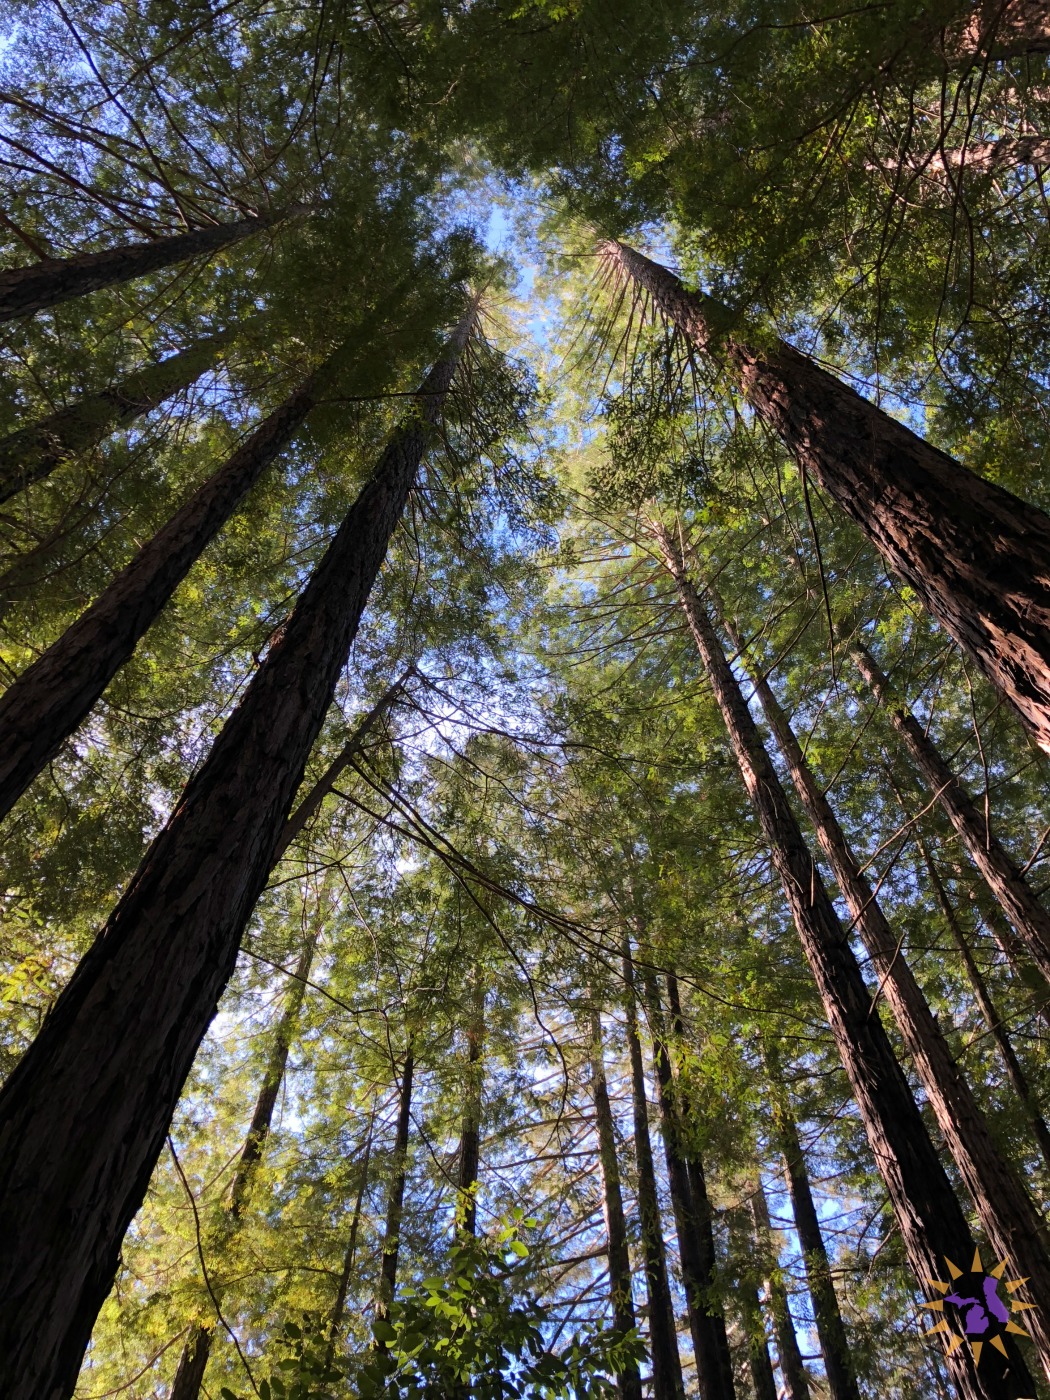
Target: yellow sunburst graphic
981, 1315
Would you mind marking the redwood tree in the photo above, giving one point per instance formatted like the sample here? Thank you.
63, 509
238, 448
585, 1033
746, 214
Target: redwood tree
84, 1116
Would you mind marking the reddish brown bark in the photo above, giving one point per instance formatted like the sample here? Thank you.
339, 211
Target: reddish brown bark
84, 1116
978, 557
928, 1214
628, 1381
663, 1334
33, 453
24, 291
49, 701
1000, 873
1001, 1201
1000, 29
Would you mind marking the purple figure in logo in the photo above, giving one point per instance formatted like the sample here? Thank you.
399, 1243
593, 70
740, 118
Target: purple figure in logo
975, 1316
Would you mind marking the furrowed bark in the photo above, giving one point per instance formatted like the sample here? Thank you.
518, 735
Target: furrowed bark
663, 1335
1003, 1206
978, 557
25, 291
194, 1359
999, 872
1000, 30
992, 1019
84, 1115
34, 452
928, 1214
470, 1131
628, 1381
396, 1198
50, 700
792, 1367
339, 1306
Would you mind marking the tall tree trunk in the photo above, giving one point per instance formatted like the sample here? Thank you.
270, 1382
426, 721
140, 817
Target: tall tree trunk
1001, 874
33, 453
339, 1306
470, 1130
992, 1019
663, 1334
1003, 1205
745, 1248
831, 1330
395, 1203
26, 290
978, 557
692, 1208
194, 1359
84, 1115
998, 30
628, 1381
792, 1367
48, 702
931, 1221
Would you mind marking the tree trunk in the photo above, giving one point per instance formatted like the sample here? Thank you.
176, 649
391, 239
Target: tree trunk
396, 1198
339, 1306
831, 1330
354, 745
33, 453
929, 1216
792, 1367
84, 1115
48, 702
194, 1360
744, 1248
982, 156
692, 1210
1003, 1206
621, 1297
663, 1334
992, 1019
26, 290
470, 1131
1000, 873
978, 557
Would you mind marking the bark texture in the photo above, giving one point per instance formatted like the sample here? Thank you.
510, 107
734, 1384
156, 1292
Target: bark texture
928, 1214
978, 557
792, 1367
50, 700
25, 291
999, 872
628, 1381
663, 1335
34, 452
395, 1203
1003, 1206
84, 1115
1000, 29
